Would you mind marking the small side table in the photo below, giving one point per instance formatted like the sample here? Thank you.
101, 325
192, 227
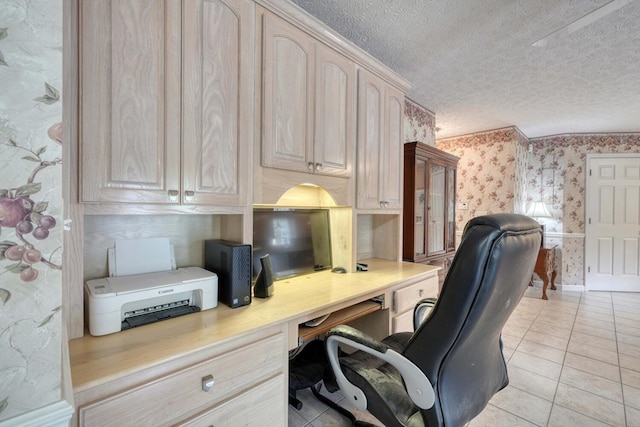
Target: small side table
546, 268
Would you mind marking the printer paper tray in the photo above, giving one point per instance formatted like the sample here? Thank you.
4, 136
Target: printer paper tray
145, 319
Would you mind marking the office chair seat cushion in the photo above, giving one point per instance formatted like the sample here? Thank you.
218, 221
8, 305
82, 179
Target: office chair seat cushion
382, 384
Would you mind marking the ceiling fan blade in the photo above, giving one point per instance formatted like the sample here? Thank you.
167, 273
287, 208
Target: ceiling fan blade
580, 23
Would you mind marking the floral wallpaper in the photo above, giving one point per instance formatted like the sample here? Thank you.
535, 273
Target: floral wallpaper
30, 205
487, 172
504, 171
419, 123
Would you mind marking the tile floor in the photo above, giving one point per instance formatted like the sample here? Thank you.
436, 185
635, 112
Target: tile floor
573, 360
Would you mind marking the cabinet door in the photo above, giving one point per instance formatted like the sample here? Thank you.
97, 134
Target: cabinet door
130, 101
217, 100
370, 118
380, 143
334, 117
288, 67
391, 162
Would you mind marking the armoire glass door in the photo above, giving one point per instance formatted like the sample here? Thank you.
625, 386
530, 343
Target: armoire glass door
420, 216
437, 208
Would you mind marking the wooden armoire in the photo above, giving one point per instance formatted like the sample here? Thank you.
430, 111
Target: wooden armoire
429, 210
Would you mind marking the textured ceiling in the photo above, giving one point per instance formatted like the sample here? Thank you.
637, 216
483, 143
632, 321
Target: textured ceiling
474, 65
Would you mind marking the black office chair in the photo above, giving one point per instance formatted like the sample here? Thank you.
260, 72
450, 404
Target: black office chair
447, 370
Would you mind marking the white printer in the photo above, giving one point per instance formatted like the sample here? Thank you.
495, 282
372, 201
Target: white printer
123, 302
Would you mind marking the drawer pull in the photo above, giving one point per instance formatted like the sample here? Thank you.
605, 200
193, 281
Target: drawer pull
207, 382
421, 292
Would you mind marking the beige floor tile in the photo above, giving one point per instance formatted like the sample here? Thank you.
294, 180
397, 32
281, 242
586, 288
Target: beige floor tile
629, 362
629, 349
599, 313
633, 331
510, 341
597, 367
628, 339
295, 419
633, 417
563, 417
594, 341
595, 323
594, 315
515, 330
536, 365
545, 325
507, 353
523, 404
558, 317
531, 382
630, 377
591, 405
541, 350
621, 324
592, 383
552, 331
543, 338
593, 352
596, 332
630, 315
493, 416
631, 396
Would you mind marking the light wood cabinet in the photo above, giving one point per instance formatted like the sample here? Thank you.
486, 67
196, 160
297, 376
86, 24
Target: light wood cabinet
404, 299
166, 95
429, 206
308, 92
380, 138
207, 390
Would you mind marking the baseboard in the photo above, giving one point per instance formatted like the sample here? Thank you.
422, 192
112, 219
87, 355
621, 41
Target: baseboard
568, 288
573, 288
54, 415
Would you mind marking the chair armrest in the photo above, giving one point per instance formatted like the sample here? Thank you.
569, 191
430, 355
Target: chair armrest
416, 383
419, 310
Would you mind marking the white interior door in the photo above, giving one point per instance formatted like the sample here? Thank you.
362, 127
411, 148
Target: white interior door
612, 238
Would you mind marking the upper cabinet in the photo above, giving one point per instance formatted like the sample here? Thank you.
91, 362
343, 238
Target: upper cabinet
308, 94
166, 99
380, 139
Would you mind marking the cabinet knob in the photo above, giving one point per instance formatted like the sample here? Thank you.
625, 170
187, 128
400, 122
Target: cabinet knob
173, 195
207, 382
310, 166
421, 292
189, 195
318, 166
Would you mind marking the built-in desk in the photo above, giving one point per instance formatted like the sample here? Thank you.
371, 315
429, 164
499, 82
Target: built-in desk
138, 374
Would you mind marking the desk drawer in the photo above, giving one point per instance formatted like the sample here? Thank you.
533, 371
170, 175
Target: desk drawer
173, 397
262, 405
406, 298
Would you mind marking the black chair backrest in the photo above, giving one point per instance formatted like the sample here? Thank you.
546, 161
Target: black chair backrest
459, 345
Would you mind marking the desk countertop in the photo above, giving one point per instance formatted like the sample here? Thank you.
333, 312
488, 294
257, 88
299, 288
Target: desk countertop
96, 360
